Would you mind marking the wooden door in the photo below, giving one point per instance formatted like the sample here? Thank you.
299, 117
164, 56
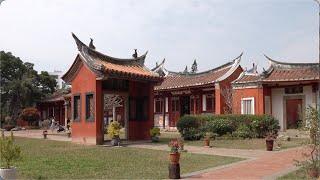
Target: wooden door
175, 111
294, 110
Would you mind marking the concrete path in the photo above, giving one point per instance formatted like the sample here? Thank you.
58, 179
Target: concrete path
259, 165
242, 153
38, 134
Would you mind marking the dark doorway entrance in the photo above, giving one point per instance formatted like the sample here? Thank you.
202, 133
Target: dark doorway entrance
185, 105
294, 110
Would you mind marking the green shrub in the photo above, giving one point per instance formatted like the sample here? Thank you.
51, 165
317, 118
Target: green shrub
243, 131
243, 126
154, 132
222, 126
9, 152
189, 127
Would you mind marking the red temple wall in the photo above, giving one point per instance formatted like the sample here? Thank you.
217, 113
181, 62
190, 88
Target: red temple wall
85, 132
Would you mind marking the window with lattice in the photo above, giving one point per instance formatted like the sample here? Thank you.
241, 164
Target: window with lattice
89, 107
76, 108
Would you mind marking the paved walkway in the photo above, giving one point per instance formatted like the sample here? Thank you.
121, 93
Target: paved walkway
259, 165
38, 134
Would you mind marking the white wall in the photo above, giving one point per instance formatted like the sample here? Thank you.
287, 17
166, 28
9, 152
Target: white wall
278, 95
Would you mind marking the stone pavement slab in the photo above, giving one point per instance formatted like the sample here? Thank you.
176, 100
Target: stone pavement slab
260, 168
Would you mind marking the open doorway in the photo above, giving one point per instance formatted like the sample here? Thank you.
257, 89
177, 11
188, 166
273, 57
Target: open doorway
115, 109
185, 105
294, 113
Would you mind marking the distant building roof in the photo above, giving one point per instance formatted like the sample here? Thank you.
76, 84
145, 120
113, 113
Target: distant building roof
185, 79
101, 65
281, 72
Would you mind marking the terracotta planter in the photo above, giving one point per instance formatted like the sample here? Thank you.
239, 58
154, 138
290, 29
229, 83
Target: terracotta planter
313, 172
8, 173
312, 136
174, 158
45, 135
206, 142
269, 144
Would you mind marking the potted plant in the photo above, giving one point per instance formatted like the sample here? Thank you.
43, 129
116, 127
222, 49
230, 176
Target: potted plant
45, 133
9, 152
155, 133
270, 137
114, 133
69, 134
207, 137
174, 155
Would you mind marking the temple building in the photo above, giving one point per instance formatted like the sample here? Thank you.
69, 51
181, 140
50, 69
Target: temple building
56, 106
96, 78
192, 92
284, 91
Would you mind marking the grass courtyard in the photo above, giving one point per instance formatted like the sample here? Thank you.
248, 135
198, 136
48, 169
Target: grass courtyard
255, 144
46, 159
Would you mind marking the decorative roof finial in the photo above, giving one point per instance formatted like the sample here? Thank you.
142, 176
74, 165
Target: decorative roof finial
91, 44
135, 55
194, 67
186, 70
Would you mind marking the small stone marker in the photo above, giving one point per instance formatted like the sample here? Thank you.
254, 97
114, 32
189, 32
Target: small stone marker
174, 171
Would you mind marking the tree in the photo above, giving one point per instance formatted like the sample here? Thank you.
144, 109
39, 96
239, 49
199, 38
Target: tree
21, 85
30, 114
111, 101
231, 98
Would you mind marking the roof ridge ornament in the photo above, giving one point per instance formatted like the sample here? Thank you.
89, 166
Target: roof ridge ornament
194, 67
91, 44
135, 54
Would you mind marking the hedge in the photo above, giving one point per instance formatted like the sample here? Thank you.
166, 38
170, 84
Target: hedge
194, 127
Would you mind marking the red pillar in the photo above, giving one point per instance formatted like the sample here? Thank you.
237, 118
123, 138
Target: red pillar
164, 111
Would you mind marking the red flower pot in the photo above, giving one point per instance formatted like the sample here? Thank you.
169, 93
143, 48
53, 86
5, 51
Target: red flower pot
312, 136
174, 158
206, 142
269, 144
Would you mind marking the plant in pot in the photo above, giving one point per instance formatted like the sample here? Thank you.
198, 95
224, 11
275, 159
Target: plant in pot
45, 133
114, 133
174, 155
69, 134
9, 152
207, 137
270, 137
154, 133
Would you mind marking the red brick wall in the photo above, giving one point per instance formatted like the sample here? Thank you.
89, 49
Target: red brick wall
256, 93
86, 132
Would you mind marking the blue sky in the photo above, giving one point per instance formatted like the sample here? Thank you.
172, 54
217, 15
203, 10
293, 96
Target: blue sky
212, 32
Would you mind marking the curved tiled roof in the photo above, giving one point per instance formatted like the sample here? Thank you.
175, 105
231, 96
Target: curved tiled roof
281, 71
178, 80
102, 65
247, 78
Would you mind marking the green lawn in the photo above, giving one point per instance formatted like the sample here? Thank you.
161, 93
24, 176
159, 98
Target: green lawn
295, 175
46, 159
237, 144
